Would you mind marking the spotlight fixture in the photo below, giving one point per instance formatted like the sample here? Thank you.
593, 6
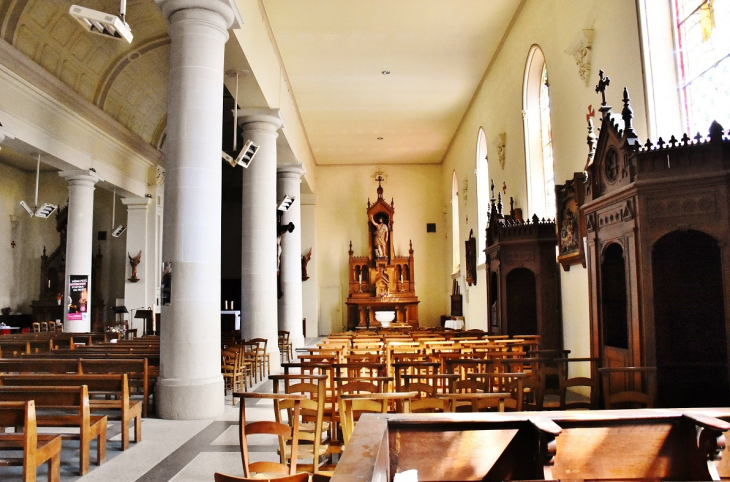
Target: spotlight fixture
243, 157
46, 209
101, 23
119, 229
386, 72
285, 203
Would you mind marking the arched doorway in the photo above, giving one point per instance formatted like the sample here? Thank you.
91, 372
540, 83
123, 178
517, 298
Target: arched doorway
521, 302
689, 320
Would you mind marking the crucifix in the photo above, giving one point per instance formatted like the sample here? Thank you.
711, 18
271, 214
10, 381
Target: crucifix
601, 87
379, 178
504, 187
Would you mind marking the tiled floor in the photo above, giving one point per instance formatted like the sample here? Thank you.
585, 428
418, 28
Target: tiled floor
170, 450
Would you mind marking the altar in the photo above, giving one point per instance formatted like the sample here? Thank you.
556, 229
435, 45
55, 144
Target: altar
381, 281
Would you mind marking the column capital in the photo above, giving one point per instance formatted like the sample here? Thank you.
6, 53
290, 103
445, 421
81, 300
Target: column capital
272, 117
294, 170
227, 9
80, 177
136, 202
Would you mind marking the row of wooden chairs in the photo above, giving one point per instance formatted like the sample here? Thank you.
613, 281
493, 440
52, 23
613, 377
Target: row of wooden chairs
47, 326
241, 359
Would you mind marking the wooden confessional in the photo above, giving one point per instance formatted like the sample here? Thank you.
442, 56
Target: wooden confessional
658, 257
381, 281
523, 282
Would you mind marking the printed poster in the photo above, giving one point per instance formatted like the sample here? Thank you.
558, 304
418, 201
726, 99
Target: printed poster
78, 293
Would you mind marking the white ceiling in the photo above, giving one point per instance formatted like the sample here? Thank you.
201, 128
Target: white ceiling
437, 52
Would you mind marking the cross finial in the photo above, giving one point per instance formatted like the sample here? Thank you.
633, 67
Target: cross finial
601, 87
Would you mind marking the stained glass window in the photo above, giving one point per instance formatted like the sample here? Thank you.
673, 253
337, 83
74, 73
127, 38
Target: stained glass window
703, 40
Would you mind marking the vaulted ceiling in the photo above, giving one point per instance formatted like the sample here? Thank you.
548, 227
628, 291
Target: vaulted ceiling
334, 54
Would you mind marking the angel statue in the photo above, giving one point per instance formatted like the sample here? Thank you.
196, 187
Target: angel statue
133, 262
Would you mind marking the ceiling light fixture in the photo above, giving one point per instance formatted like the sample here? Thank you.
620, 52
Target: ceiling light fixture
46, 209
380, 138
102, 23
119, 229
245, 155
386, 72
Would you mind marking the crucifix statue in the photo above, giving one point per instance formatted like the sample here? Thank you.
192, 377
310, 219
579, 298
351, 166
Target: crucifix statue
601, 87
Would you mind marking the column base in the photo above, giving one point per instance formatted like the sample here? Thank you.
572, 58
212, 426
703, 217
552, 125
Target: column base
77, 326
187, 400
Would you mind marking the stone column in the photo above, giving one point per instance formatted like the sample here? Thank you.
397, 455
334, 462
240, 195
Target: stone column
79, 240
136, 292
258, 244
190, 385
288, 181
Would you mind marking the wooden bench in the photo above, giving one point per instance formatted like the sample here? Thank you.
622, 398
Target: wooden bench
609, 445
108, 392
37, 449
66, 407
141, 377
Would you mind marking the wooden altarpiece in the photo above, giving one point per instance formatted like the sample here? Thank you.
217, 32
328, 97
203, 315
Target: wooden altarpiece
658, 257
381, 283
523, 283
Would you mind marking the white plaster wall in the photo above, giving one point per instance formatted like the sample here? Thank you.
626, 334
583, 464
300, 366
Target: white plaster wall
310, 287
497, 106
342, 196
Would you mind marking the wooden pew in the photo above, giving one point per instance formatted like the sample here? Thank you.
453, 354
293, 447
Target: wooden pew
37, 449
138, 371
106, 385
609, 445
65, 407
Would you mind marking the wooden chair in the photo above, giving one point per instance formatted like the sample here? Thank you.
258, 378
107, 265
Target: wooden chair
283, 431
640, 389
263, 361
230, 369
302, 477
37, 449
311, 425
36, 327
585, 383
44, 326
353, 405
286, 349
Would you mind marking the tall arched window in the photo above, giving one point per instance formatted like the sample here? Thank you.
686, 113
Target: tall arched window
482, 175
456, 251
538, 136
703, 51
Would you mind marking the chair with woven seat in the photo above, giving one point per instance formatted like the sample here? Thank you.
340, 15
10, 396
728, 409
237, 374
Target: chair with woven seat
312, 429
230, 369
266, 469
302, 477
352, 406
263, 361
286, 349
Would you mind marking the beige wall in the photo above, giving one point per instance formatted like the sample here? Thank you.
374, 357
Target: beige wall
342, 197
497, 106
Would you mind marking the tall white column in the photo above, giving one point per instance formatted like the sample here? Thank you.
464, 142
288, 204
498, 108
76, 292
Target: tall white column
258, 245
79, 242
136, 293
190, 385
288, 181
